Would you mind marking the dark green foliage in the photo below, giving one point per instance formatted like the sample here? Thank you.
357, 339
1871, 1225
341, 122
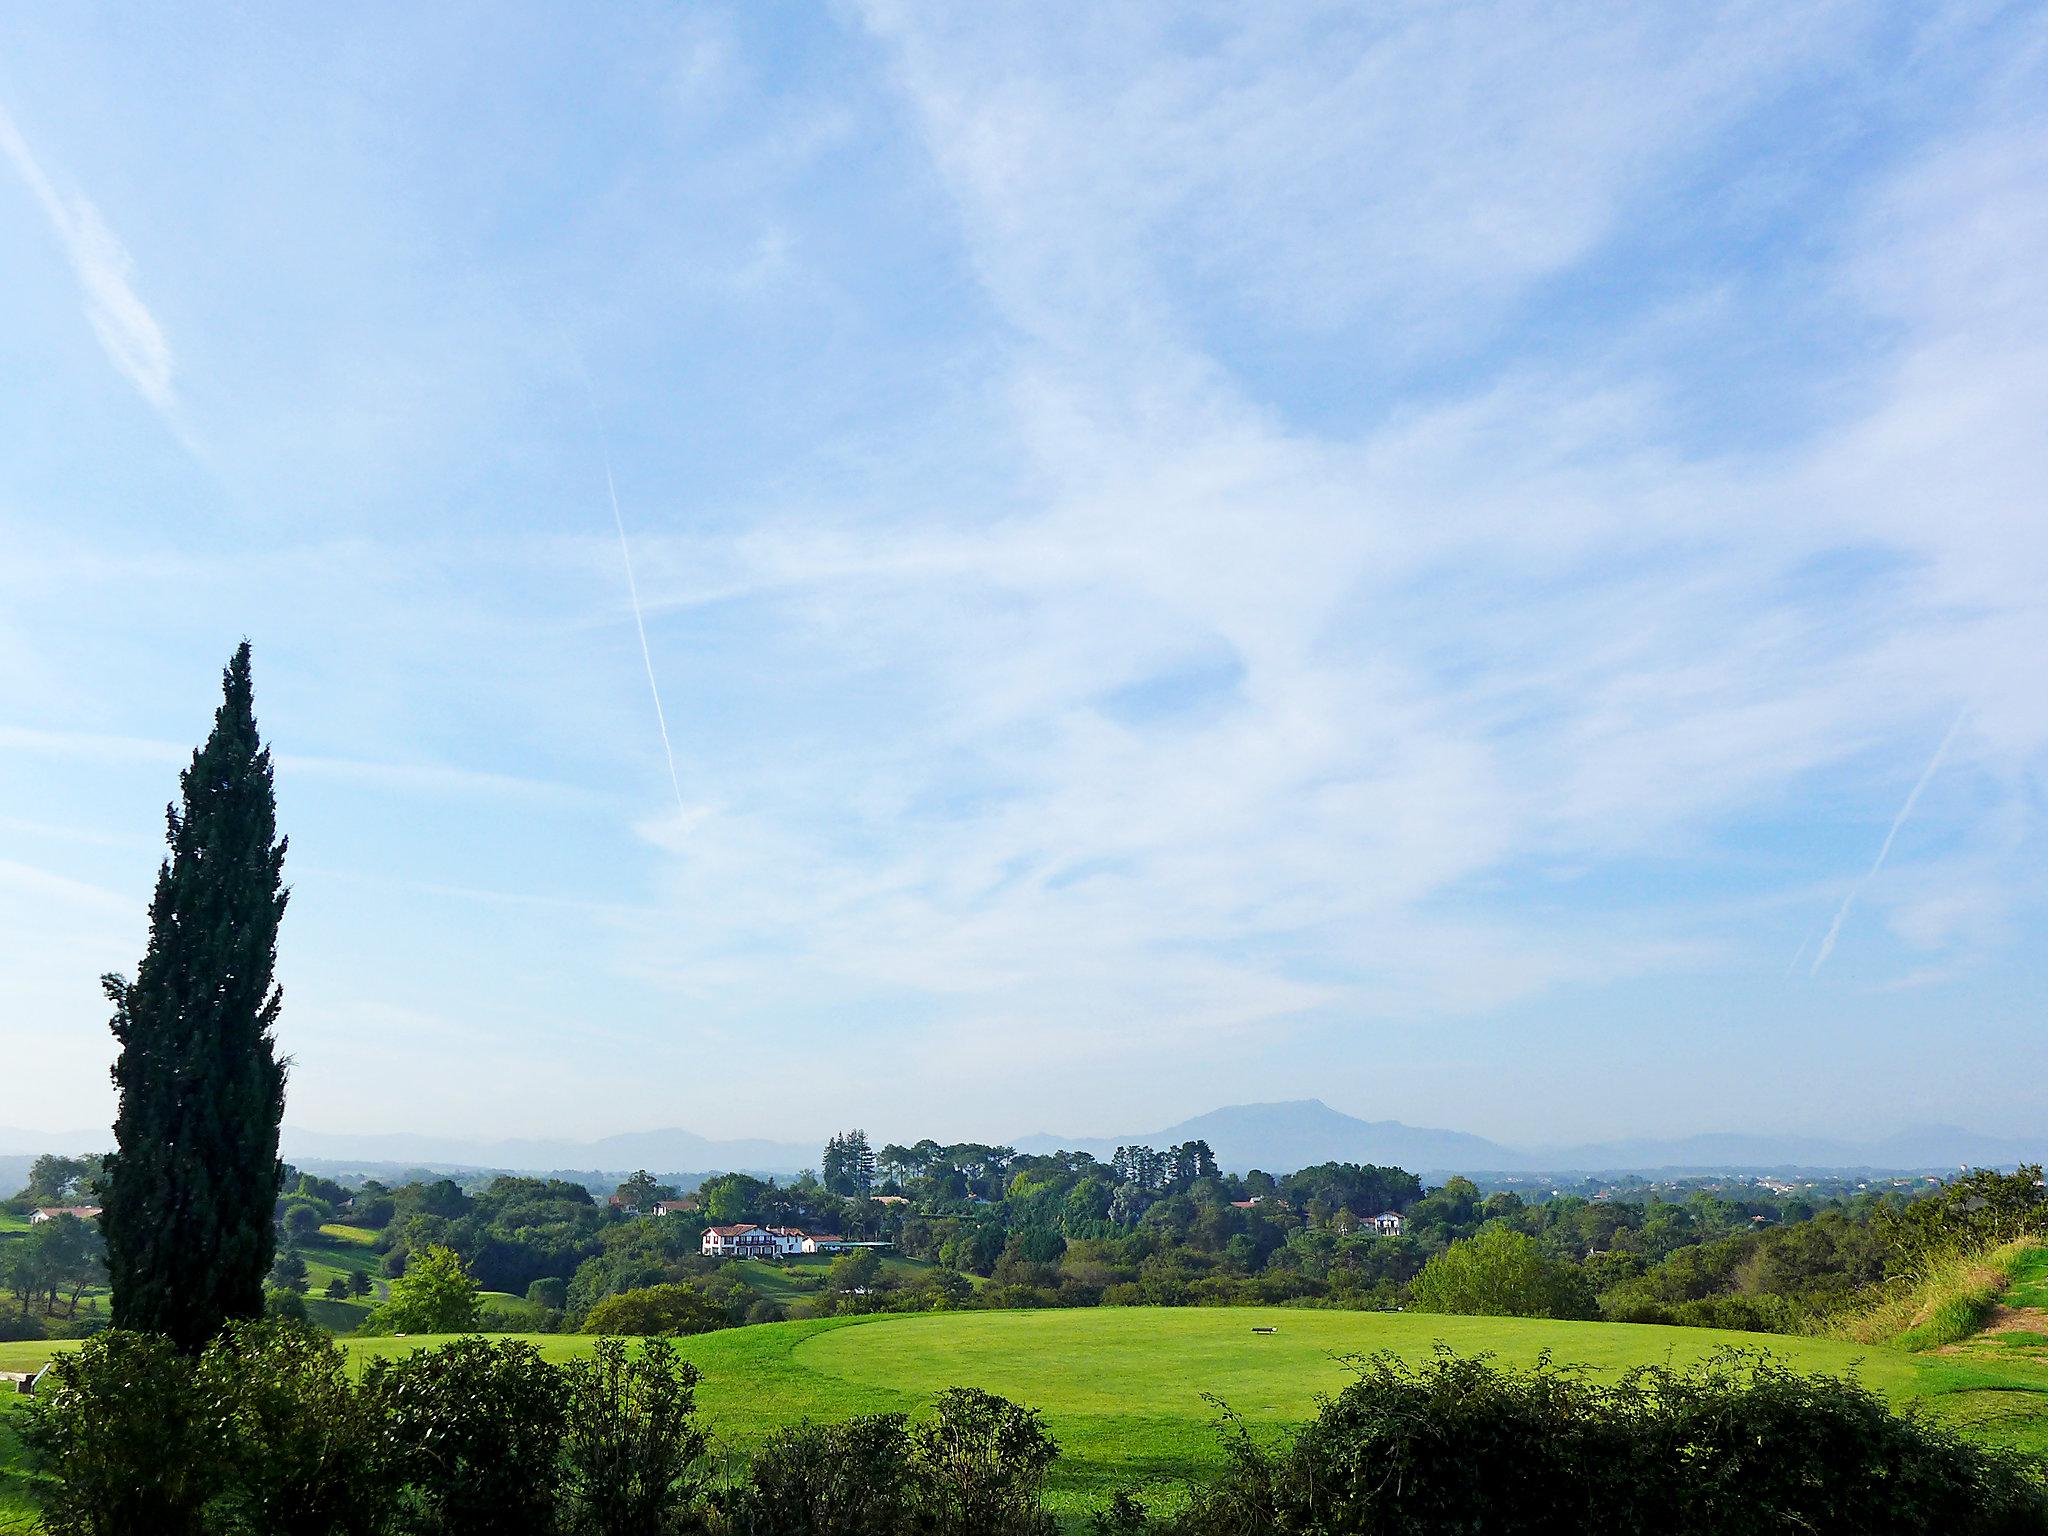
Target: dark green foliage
299, 1443
126, 1441
1501, 1273
976, 1467
1980, 1211
656, 1311
634, 1452
472, 1435
850, 1479
980, 1463
1735, 1446
190, 1193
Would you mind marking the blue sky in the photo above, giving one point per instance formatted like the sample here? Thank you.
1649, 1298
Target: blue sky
1189, 554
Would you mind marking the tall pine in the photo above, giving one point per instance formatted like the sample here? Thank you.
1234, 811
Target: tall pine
190, 1191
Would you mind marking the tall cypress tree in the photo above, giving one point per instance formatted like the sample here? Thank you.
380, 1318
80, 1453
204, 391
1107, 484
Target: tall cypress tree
190, 1191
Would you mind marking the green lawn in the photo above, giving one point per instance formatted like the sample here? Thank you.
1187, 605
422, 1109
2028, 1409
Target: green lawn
9, 1222
1123, 1388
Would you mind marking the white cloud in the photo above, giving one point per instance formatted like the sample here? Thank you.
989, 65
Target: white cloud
129, 333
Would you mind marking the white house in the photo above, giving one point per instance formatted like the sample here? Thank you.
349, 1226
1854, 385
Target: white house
744, 1241
1388, 1224
52, 1212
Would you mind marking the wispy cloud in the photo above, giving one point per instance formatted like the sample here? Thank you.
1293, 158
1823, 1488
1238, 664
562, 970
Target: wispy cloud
133, 340
1827, 943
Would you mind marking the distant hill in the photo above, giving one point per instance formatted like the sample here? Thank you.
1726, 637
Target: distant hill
664, 1151
1298, 1134
1276, 1137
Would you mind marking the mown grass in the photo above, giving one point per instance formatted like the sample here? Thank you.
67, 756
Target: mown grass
1124, 1388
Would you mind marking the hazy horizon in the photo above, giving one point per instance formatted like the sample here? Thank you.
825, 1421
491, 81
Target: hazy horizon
1489, 571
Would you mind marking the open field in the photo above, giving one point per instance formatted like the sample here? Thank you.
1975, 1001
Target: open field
796, 1279
1123, 1388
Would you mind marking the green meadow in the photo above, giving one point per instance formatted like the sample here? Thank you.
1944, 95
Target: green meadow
1126, 1390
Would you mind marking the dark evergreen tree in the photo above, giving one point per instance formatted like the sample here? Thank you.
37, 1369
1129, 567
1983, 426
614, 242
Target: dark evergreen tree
190, 1192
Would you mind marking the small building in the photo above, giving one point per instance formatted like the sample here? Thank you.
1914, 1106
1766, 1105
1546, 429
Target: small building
682, 1207
1388, 1224
52, 1212
890, 1199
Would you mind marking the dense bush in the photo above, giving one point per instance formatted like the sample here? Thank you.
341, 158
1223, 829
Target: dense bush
1501, 1273
665, 1310
298, 1445
850, 1479
632, 1450
116, 1423
976, 1467
1734, 1446
471, 1436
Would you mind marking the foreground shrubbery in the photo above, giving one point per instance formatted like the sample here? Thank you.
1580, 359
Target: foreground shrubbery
1732, 1446
267, 1434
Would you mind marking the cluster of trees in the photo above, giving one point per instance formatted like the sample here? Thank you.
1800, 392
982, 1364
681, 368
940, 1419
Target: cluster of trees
996, 1228
50, 1265
266, 1431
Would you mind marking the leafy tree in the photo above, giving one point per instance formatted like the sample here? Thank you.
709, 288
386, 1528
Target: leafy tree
848, 1168
550, 1293
190, 1190
641, 1192
289, 1272
436, 1294
337, 1288
1500, 1273
654, 1311
633, 1449
856, 1271
302, 1220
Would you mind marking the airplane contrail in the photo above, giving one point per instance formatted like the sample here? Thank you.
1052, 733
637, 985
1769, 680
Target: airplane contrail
1827, 944
611, 487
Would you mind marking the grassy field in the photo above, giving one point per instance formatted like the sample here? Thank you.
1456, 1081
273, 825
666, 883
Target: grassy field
789, 1282
1123, 1388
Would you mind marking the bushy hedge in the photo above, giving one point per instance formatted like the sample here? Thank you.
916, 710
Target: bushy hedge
268, 1434
1735, 1446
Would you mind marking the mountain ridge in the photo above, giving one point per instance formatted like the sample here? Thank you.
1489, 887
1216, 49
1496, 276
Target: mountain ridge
1278, 1136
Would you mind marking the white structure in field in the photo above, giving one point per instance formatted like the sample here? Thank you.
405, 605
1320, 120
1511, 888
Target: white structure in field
747, 1241
1388, 1224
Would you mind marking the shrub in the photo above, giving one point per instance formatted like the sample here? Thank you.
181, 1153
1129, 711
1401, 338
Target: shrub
850, 1479
116, 1426
472, 1435
1735, 1446
633, 1450
299, 1443
550, 1293
980, 1463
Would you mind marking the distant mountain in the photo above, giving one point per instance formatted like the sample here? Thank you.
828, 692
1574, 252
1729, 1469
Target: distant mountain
1276, 1137
1303, 1132
666, 1151
1918, 1148
1299, 1134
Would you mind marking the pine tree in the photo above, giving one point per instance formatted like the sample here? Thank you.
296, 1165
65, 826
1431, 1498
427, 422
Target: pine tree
190, 1192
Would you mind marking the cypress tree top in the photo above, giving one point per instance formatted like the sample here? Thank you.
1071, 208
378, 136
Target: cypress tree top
190, 1190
